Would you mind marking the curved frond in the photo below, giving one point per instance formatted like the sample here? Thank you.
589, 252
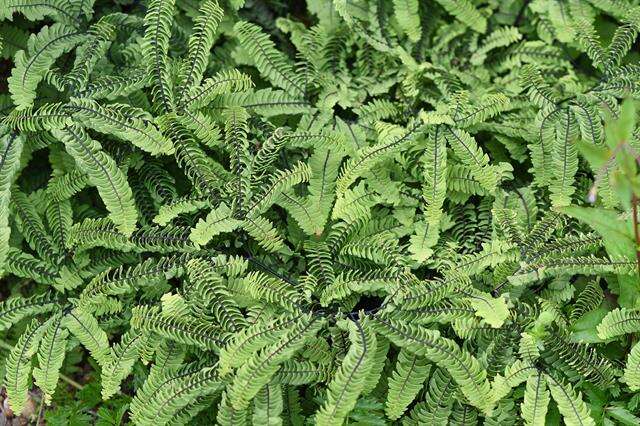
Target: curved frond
10, 150
51, 355
411, 371
271, 63
85, 327
157, 24
260, 368
536, 401
573, 409
345, 387
33, 63
104, 174
18, 365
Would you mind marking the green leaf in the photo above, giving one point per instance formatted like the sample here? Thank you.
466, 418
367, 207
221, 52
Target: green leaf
493, 311
619, 241
622, 415
584, 330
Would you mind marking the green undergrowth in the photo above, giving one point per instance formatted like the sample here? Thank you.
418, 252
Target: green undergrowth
326, 212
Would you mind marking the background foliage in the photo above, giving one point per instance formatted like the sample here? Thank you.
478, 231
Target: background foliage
322, 212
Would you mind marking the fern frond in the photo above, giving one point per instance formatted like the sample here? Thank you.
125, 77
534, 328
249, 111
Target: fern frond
59, 219
123, 121
47, 117
618, 322
226, 81
487, 107
200, 42
411, 371
202, 126
209, 290
268, 405
185, 330
167, 370
267, 154
574, 358
170, 211
324, 164
229, 416
378, 363
270, 102
355, 203
35, 10
501, 37
205, 175
514, 374
445, 353
24, 265
301, 373
236, 130
347, 384
271, 63
539, 91
179, 391
18, 365
536, 401
493, 310
111, 87
472, 155
434, 163
89, 53
565, 160
51, 355
573, 409
84, 326
466, 13
32, 64
378, 109
10, 151
97, 233
104, 174
428, 293
64, 186
273, 290
279, 182
16, 308
263, 231
589, 41
248, 341
218, 221
32, 227
437, 405
391, 139
406, 13
349, 283
261, 367
125, 353
632, 368
381, 249
296, 207
589, 121
588, 299
157, 24
621, 42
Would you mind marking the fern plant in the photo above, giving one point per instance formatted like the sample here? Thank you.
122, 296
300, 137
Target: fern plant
344, 212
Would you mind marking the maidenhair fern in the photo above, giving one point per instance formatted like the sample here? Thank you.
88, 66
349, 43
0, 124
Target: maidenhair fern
333, 212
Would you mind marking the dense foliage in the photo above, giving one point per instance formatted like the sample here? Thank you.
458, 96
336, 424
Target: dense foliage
333, 212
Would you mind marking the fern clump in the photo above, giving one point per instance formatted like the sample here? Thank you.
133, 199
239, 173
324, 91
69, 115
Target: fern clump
333, 212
